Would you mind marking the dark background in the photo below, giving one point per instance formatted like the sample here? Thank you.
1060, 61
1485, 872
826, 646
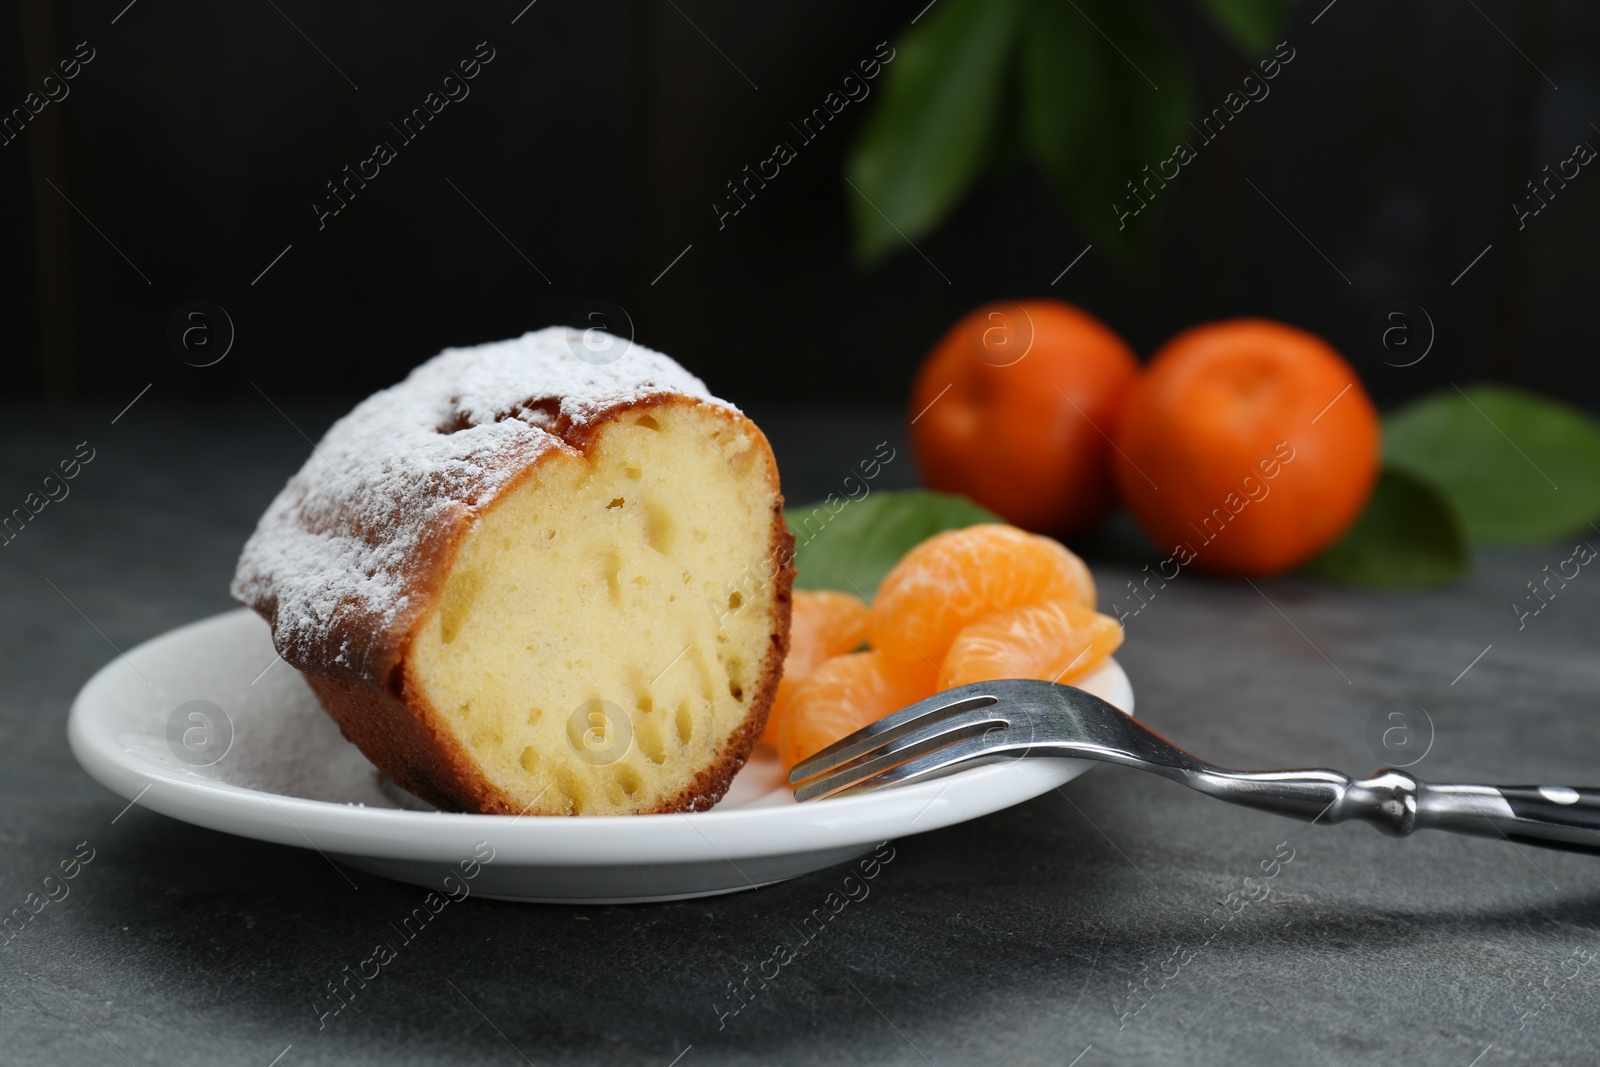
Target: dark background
197, 139
595, 141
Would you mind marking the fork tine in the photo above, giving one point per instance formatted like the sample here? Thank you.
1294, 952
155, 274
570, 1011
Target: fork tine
945, 759
891, 727
985, 723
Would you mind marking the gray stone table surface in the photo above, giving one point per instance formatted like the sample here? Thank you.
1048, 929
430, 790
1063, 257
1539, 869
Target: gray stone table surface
1067, 930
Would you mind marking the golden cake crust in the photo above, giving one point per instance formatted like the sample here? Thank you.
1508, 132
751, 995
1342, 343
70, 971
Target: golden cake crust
308, 568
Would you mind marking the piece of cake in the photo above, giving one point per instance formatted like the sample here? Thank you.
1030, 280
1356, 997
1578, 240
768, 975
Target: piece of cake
521, 583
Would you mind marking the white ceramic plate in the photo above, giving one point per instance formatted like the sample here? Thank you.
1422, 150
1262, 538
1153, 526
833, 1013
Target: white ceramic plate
286, 775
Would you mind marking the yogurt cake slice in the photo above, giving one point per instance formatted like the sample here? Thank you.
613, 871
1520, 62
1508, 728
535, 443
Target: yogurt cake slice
521, 583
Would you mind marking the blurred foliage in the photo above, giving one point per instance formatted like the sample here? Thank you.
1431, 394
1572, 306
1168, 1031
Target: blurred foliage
1091, 91
1486, 464
1518, 468
1253, 24
935, 128
1408, 536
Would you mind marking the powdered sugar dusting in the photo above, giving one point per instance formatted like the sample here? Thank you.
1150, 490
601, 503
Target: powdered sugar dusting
334, 562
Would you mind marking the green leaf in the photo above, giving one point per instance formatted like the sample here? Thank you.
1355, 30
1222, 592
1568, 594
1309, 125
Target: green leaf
1517, 468
935, 126
1253, 25
850, 545
1408, 536
1104, 95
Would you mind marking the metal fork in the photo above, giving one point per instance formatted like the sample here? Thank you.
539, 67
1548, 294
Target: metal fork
989, 722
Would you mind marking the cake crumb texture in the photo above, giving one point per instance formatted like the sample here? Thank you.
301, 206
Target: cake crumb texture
334, 559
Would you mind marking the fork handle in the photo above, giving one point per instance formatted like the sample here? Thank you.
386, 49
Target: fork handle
1549, 816
1560, 817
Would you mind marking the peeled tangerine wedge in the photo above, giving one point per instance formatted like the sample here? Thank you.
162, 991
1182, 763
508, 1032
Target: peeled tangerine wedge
824, 624
955, 578
846, 693
1054, 640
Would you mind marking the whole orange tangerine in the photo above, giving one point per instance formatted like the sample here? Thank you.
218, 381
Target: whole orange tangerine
1016, 407
1247, 447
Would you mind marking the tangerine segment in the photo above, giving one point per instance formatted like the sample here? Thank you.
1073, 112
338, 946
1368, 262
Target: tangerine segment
955, 578
823, 624
845, 694
1053, 640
